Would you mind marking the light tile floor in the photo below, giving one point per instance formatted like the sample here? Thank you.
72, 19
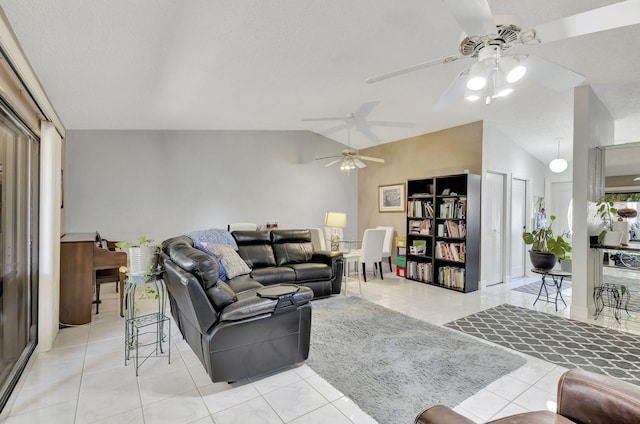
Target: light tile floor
83, 378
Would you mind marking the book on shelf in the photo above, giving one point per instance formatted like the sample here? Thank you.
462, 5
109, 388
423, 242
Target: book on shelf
420, 209
452, 229
453, 208
450, 251
421, 271
450, 276
421, 195
422, 227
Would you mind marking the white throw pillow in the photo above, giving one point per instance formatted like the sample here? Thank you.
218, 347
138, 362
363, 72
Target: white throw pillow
233, 264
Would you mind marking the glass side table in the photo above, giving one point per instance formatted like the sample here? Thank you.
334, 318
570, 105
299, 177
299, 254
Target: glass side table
146, 335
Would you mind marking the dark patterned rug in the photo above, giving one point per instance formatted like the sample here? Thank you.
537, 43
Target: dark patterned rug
534, 288
561, 341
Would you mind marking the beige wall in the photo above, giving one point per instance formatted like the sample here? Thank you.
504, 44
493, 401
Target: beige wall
447, 152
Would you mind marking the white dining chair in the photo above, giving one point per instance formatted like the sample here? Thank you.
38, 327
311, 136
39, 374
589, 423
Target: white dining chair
387, 246
317, 239
371, 251
242, 226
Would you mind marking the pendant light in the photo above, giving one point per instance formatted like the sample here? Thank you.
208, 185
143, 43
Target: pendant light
558, 165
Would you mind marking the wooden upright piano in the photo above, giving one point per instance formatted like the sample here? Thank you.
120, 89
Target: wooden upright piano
81, 254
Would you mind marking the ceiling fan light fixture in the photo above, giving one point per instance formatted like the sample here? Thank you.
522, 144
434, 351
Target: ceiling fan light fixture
476, 83
516, 74
477, 76
504, 92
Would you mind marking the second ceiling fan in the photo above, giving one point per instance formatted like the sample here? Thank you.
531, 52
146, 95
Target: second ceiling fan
494, 72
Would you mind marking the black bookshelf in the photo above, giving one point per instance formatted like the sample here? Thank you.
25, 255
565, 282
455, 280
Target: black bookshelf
443, 231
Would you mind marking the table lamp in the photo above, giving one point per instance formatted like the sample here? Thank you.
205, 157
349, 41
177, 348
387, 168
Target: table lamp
335, 221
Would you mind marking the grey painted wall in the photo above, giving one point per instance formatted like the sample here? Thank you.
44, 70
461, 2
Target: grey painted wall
163, 183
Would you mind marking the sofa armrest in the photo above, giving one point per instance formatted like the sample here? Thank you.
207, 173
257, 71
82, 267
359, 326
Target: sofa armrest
253, 305
336, 262
326, 257
441, 414
583, 395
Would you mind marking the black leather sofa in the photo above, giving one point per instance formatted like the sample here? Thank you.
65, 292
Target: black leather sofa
287, 256
240, 328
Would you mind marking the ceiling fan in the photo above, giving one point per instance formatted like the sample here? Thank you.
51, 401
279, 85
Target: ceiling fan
349, 159
361, 123
494, 72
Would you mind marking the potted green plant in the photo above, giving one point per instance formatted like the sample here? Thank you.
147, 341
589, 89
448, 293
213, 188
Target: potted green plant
545, 247
606, 211
142, 257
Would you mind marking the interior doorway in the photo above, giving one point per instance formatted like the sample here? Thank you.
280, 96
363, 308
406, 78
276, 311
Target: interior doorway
493, 228
518, 225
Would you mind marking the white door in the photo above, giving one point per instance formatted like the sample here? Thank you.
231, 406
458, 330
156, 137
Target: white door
492, 229
518, 225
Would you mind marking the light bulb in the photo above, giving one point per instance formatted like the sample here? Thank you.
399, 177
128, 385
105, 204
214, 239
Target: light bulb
558, 165
504, 92
516, 74
476, 83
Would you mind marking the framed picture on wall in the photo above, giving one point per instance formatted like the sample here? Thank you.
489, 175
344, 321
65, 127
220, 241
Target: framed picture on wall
391, 198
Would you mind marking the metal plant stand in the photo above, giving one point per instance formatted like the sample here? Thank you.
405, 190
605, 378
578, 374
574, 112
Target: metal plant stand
146, 335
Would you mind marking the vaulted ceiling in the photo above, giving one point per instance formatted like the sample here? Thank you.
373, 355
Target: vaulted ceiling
272, 65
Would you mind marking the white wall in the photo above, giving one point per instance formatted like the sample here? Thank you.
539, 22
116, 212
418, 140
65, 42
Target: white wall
593, 126
501, 155
162, 183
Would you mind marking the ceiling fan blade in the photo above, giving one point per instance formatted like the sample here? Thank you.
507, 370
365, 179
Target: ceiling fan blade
333, 162
371, 159
329, 157
453, 93
613, 16
392, 124
365, 109
473, 16
363, 127
551, 75
413, 68
333, 129
359, 163
336, 118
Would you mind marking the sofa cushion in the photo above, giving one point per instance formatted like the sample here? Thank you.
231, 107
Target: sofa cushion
233, 264
223, 274
274, 275
221, 295
311, 272
255, 248
196, 262
243, 283
292, 253
291, 246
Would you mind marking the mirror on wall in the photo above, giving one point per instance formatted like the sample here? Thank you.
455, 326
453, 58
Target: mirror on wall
622, 180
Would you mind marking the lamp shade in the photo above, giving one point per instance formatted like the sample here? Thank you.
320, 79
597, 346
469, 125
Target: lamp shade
558, 165
335, 219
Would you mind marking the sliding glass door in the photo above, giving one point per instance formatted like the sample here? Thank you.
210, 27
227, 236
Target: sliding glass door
19, 164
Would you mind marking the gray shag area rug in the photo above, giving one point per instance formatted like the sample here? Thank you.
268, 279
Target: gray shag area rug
392, 365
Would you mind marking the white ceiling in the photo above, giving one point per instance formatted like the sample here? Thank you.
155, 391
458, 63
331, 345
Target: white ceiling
267, 65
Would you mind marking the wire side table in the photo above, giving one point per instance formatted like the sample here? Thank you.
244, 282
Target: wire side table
151, 332
614, 296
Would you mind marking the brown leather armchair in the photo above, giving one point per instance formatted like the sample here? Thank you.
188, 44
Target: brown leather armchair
583, 397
